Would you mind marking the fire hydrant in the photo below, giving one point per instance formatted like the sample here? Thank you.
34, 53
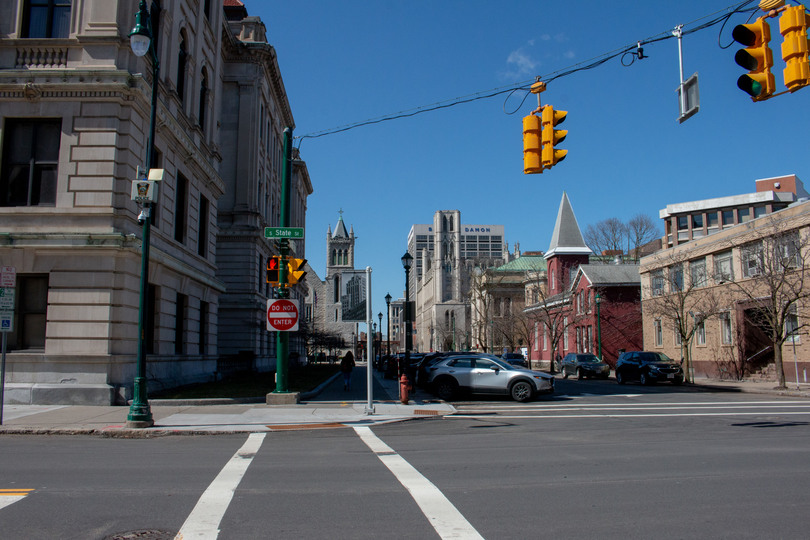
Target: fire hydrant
403, 389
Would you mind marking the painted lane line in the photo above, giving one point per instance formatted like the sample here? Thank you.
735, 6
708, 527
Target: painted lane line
651, 403
626, 408
10, 496
651, 415
203, 522
445, 518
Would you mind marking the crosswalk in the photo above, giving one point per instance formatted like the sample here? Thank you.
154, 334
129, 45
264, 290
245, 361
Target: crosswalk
613, 409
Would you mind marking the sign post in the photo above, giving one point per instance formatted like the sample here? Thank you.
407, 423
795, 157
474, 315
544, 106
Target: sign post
8, 281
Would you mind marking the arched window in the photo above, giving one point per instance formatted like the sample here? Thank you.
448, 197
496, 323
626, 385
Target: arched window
182, 58
337, 291
334, 256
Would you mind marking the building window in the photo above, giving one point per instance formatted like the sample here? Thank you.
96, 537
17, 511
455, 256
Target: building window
565, 333
683, 223
676, 278
759, 211
30, 162
723, 269
700, 332
182, 58
752, 259
202, 228
203, 99
698, 273
658, 283
725, 328
787, 250
745, 214
180, 206
728, 218
792, 326
711, 220
659, 333
46, 19
180, 322
31, 314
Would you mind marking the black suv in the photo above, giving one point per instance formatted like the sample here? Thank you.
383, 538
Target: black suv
647, 368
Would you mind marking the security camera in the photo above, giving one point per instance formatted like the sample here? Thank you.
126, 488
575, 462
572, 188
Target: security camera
143, 216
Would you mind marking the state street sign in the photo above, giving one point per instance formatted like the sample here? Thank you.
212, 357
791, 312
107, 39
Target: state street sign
283, 232
282, 315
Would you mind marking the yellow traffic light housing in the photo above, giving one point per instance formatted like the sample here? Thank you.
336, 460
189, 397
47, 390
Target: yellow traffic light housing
532, 147
295, 271
757, 58
793, 26
273, 266
550, 136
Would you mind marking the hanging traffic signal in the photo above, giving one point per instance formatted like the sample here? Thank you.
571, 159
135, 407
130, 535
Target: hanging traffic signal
532, 147
757, 58
273, 265
295, 270
793, 26
550, 137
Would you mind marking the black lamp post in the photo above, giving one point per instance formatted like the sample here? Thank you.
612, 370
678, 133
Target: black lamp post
407, 260
142, 42
372, 341
388, 316
379, 316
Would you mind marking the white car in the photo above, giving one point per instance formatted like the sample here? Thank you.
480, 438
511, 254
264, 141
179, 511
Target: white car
481, 374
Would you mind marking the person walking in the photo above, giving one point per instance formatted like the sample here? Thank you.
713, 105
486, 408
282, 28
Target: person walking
346, 366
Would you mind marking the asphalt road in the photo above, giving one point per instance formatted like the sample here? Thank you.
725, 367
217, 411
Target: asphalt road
594, 461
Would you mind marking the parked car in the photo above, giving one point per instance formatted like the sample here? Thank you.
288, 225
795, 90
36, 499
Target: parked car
480, 374
516, 359
647, 368
584, 365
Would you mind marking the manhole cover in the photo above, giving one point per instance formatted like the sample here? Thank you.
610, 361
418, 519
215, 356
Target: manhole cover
149, 534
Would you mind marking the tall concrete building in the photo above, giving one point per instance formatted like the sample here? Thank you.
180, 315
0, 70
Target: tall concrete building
75, 107
446, 252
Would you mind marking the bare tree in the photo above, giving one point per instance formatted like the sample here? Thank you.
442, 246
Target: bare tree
480, 307
607, 235
641, 229
777, 286
553, 315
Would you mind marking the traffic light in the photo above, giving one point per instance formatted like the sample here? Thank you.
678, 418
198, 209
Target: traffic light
295, 271
551, 136
532, 159
793, 26
273, 264
757, 58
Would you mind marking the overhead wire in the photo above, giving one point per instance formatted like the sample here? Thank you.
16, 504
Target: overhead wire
622, 52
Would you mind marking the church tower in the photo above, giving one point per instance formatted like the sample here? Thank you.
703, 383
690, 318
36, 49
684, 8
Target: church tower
339, 248
567, 250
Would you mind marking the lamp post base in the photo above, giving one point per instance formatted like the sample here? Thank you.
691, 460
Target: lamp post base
140, 415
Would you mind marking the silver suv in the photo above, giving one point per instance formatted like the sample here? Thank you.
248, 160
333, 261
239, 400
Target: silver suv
481, 374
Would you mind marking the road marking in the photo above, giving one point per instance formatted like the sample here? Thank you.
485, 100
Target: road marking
442, 515
636, 406
650, 415
10, 496
203, 522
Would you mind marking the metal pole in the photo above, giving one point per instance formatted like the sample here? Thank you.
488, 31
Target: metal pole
408, 323
283, 338
678, 32
369, 350
3, 377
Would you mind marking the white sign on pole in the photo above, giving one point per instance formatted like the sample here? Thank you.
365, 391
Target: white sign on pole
6, 299
8, 276
6, 321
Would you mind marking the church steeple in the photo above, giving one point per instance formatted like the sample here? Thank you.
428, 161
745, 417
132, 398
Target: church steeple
567, 250
339, 248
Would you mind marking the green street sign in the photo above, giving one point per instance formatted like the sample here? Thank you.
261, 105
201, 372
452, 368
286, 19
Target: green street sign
283, 232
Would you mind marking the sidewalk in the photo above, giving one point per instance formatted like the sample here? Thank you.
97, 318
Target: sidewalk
329, 406
802, 390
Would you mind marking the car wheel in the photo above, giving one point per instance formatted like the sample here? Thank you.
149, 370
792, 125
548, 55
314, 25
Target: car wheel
645, 379
580, 374
521, 391
564, 373
619, 377
446, 388
677, 381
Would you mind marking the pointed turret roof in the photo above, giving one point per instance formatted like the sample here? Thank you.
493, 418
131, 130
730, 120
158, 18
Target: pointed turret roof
340, 229
567, 238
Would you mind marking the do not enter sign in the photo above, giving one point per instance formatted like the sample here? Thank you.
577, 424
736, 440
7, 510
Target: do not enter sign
282, 315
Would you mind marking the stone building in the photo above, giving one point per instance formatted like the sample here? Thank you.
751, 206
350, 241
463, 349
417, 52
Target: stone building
74, 120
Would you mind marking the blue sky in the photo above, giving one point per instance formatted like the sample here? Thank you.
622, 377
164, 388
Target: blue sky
355, 60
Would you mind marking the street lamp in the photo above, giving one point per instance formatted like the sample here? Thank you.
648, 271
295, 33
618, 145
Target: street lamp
407, 260
599, 323
372, 342
388, 316
141, 41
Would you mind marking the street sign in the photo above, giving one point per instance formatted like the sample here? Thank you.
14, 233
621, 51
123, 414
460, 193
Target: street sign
8, 276
144, 191
6, 321
282, 315
283, 232
6, 299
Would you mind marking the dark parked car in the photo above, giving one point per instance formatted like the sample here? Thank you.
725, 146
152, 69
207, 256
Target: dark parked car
647, 368
479, 374
516, 359
584, 365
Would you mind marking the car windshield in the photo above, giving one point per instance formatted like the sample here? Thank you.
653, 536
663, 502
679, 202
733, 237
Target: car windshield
654, 357
588, 358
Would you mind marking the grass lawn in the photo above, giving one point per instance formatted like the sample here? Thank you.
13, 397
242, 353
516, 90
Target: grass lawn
247, 385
